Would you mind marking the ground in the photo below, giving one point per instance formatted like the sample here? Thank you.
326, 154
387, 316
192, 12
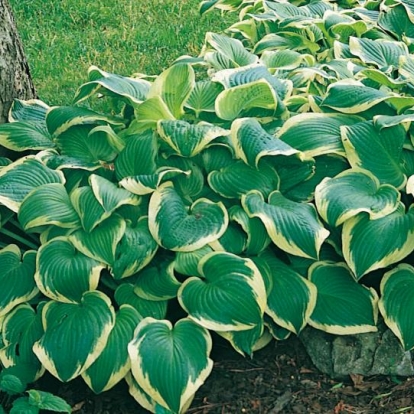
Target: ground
279, 379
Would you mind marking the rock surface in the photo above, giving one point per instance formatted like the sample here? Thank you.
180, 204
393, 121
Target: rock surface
377, 353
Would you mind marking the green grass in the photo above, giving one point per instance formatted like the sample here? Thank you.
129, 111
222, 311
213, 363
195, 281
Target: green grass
63, 38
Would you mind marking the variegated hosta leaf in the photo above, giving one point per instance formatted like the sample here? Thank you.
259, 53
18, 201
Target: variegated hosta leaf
21, 177
257, 237
126, 294
351, 192
377, 151
398, 20
383, 54
276, 331
133, 91
351, 97
147, 184
187, 139
75, 334
89, 210
237, 101
30, 110
304, 170
60, 118
249, 340
149, 113
100, 244
203, 97
228, 52
325, 166
410, 186
293, 227
135, 250
170, 363
16, 277
283, 59
216, 157
174, 85
23, 136
186, 263
189, 185
230, 296
375, 244
142, 147
63, 273
343, 306
157, 281
143, 399
316, 133
48, 204
251, 142
86, 147
292, 298
396, 304
113, 363
239, 178
21, 328
109, 195
233, 240
176, 228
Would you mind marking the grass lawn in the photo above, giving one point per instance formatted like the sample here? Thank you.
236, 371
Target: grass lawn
63, 38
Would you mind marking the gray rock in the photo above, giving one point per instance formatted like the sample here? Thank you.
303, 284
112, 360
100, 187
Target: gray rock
377, 353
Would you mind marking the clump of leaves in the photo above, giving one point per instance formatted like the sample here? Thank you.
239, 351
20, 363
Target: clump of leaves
275, 192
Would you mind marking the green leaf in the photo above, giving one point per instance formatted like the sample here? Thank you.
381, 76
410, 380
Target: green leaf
133, 91
85, 145
48, 205
21, 328
393, 235
186, 139
31, 110
75, 334
23, 136
230, 296
203, 97
238, 178
228, 52
264, 144
175, 228
351, 192
383, 54
63, 273
343, 306
173, 86
293, 227
142, 147
291, 299
316, 133
352, 97
237, 101
378, 151
157, 281
22, 176
22, 406
60, 119
16, 277
126, 294
100, 244
11, 385
395, 305
135, 250
186, 263
47, 401
170, 363
113, 363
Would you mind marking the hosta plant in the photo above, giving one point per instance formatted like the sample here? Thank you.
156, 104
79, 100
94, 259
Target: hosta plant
262, 186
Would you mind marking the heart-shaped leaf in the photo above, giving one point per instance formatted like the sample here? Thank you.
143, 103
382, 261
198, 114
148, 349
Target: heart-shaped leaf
170, 363
75, 334
230, 296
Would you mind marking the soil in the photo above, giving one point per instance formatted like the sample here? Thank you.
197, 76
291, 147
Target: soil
279, 379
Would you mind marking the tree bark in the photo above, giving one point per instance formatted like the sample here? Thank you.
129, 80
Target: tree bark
15, 79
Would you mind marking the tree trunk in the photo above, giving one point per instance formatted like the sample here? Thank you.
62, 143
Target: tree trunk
15, 80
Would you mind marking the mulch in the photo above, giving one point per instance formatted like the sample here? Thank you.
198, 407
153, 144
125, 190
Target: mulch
279, 379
